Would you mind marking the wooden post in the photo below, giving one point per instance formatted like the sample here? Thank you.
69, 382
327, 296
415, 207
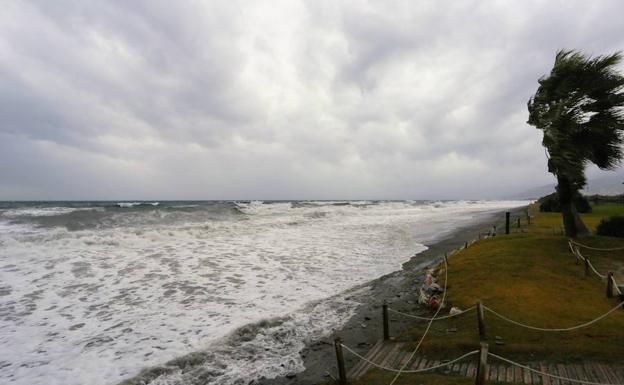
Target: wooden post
507, 214
481, 321
586, 266
494, 230
386, 324
518, 222
466, 245
529, 219
610, 285
342, 373
446, 259
482, 367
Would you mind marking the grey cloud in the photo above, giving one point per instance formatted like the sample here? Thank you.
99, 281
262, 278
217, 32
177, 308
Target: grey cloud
280, 99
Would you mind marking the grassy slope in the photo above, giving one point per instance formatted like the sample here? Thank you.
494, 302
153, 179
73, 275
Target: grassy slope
531, 277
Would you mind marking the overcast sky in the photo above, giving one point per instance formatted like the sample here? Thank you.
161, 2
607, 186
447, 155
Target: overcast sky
281, 99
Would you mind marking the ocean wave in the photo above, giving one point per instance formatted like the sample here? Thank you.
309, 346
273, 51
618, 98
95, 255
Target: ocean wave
39, 211
265, 349
136, 204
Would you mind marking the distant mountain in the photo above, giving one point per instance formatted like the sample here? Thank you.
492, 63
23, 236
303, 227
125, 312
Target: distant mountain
603, 185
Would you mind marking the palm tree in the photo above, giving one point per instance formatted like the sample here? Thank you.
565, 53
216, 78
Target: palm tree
579, 107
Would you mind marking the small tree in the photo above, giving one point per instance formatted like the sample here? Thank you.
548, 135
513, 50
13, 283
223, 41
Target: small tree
579, 109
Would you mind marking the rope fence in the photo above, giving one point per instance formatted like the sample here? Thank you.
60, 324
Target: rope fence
499, 315
513, 363
432, 318
612, 284
409, 371
595, 248
619, 305
591, 266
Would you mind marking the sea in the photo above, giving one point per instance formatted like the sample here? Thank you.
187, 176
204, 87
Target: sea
99, 292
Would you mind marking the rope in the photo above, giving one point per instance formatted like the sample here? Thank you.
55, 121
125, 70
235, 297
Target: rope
595, 271
596, 248
615, 285
578, 253
544, 373
409, 371
428, 325
555, 329
430, 318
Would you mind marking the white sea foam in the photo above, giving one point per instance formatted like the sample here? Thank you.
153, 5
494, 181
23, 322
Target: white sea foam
39, 211
98, 305
134, 204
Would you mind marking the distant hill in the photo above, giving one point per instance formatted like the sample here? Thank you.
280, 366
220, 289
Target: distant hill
603, 185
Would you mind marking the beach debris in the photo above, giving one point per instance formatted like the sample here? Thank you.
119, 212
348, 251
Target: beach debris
430, 291
429, 279
434, 302
455, 310
434, 288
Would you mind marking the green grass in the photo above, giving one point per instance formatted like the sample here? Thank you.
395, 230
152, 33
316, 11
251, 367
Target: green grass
529, 276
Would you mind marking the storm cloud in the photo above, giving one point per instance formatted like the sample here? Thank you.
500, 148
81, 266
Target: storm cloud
281, 99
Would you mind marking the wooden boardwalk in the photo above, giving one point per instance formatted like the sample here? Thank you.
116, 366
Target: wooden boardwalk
395, 354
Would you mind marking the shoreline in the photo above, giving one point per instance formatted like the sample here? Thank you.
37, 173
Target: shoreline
400, 288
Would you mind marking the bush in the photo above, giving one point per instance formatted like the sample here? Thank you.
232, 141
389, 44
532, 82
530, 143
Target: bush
612, 226
550, 203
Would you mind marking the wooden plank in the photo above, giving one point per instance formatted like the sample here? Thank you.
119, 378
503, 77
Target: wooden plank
493, 375
526, 375
455, 367
390, 356
571, 373
600, 374
543, 367
553, 370
580, 372
607, 369
423, 364
374, 358
471, 371
404, 361
434, 363
563, 373
590, 373
415, 363
537, 379
361, 364
619, 373
502, 373
517, 375
400, 356
510, 376
463, 369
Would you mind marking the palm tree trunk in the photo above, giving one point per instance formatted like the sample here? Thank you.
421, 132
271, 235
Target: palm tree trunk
572, 222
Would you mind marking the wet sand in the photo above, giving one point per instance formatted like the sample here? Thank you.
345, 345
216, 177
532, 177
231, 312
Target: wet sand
400, 289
